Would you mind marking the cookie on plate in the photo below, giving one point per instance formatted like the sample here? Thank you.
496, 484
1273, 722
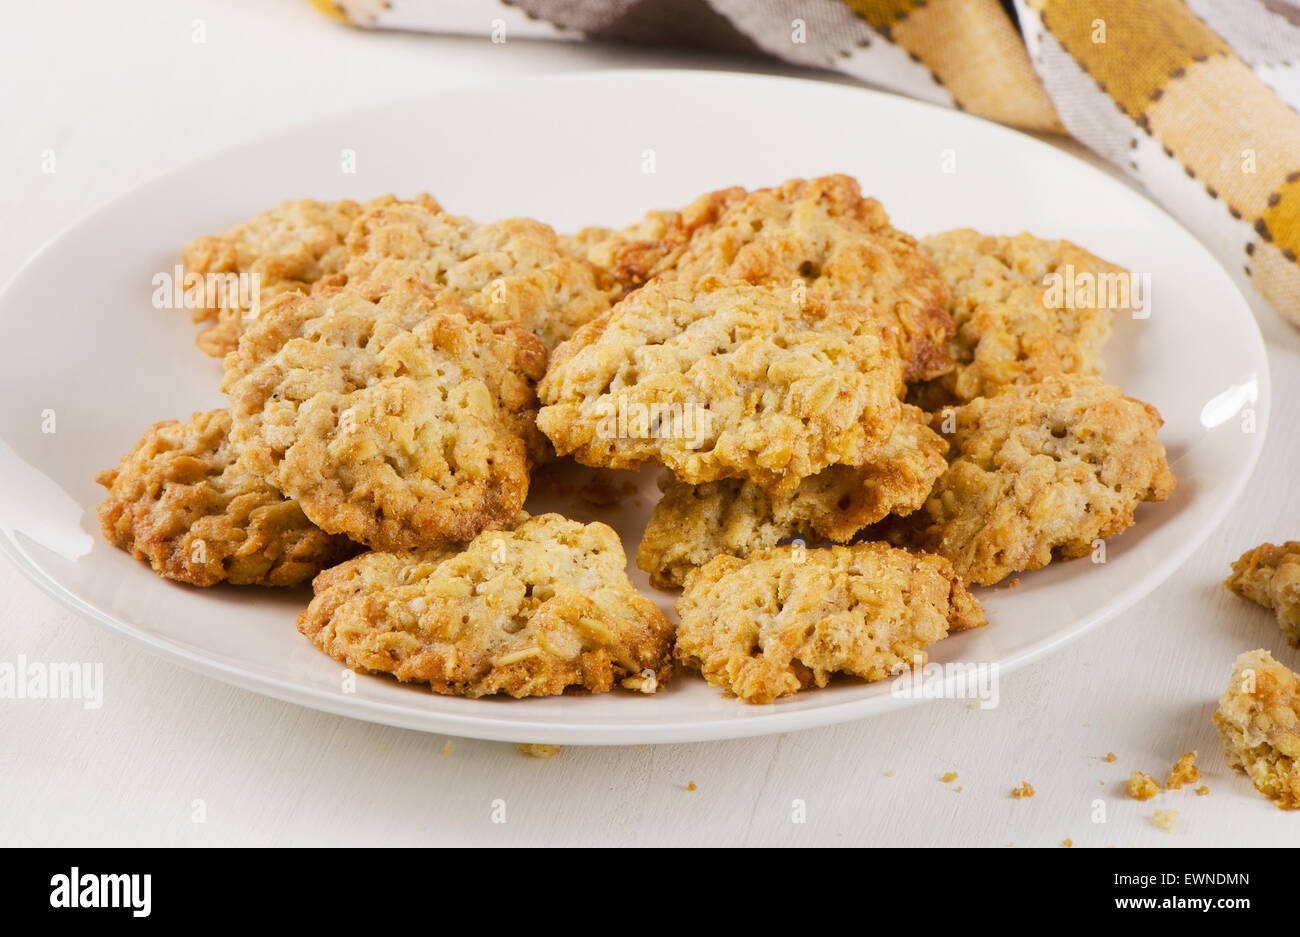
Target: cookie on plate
289, 247
635, 254
691, 524
391, 417
818, 237
1013, 325
1038, 472
1270, 575
1259, 725
728, 381
514, 270
528, 611
788, 618
183, 501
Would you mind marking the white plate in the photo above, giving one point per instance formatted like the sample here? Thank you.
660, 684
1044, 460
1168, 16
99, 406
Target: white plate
83, 341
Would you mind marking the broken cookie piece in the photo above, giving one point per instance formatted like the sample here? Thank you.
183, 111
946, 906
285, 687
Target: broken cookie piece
788, 618
1270, 575
183, 501
1259, 725
528, 611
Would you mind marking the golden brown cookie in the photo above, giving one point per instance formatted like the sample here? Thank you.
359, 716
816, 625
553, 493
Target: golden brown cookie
1270, 575
182, 500
652, 245
735, 381
388, 416
514, 270
818, 237
286, 248
528, 611
1012, 326
691, 524
1038, 472
788, 618
1259, 725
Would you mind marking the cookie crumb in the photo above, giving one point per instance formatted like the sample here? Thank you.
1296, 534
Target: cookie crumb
690, 786
889, 774
1166, 820
1141, 786
1024, 790
1183, 772
949, 777
1111, 758
1202, 791
539, 751
1067, 843
447, 747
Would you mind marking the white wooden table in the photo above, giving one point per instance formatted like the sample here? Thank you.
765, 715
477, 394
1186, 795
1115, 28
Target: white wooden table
119, 94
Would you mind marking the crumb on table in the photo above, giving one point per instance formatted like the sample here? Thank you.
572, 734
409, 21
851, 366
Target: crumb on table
1024, 790
533, 750
1141, 786
949, 777
1111, 758
1183, 772
1166, 820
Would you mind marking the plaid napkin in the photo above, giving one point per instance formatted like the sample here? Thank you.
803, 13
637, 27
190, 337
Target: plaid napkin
1196, 98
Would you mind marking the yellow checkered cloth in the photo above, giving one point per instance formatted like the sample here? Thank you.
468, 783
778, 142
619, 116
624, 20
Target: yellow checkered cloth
1196, 98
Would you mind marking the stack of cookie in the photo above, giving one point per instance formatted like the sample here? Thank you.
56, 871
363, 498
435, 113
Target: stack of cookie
855, 428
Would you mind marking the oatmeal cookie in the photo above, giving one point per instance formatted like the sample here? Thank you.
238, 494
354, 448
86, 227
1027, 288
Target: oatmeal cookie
1259, 725
514, 270
691, 524
1270, 576
787, 618
651, 246
735, 381
815, 236
1038, 472
397, 420
1011, 327
286, 248
182, 500
527, 611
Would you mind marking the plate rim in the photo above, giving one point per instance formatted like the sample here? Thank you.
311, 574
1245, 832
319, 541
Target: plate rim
499, 728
